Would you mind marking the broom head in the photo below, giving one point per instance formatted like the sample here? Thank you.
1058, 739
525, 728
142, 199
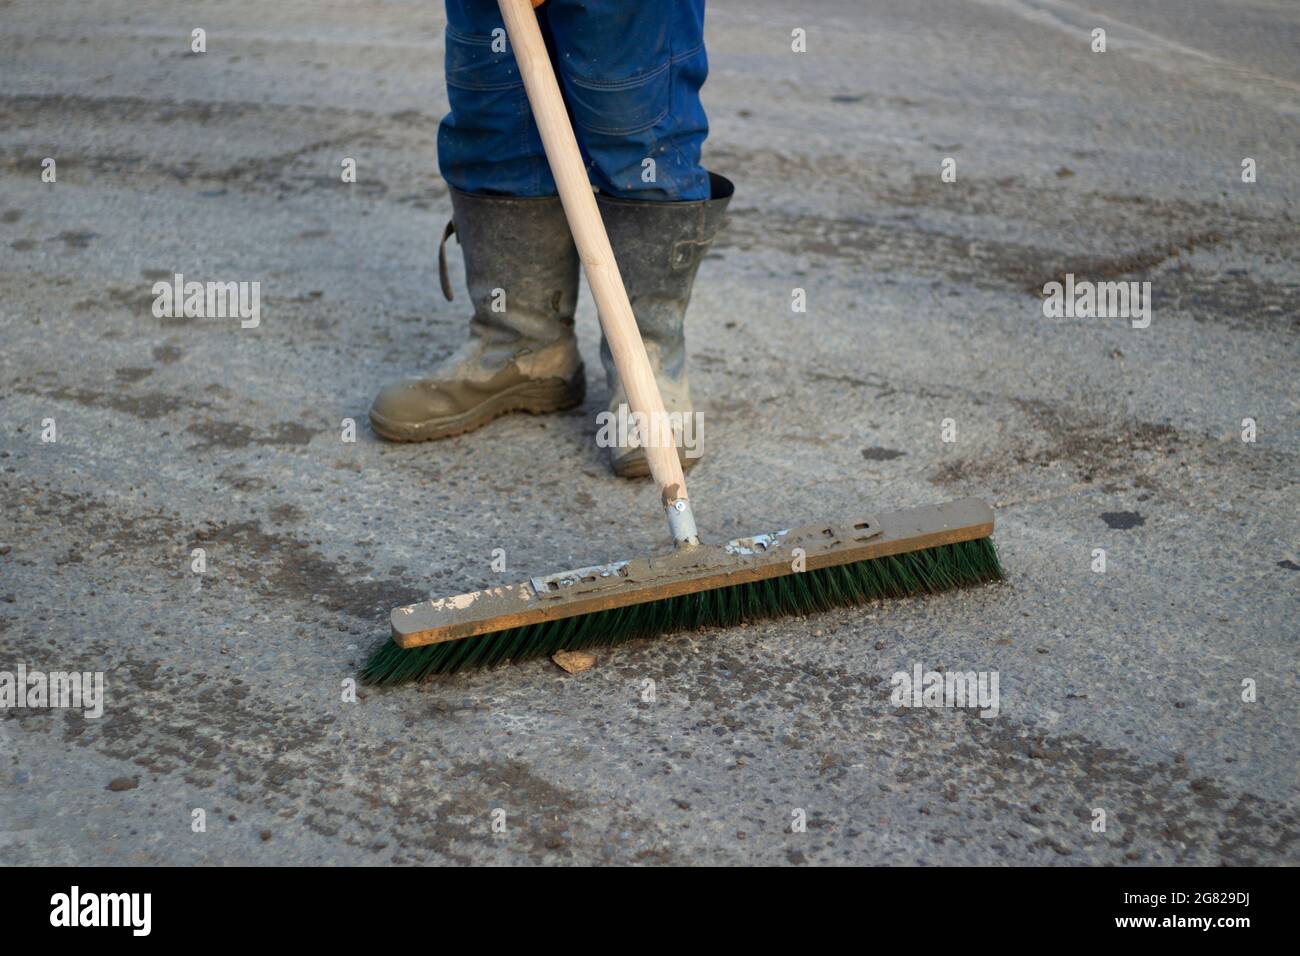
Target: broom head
797, 571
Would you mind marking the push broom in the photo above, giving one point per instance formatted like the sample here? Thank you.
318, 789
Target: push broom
797, 571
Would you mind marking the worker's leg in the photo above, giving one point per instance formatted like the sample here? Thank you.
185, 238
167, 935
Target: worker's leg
659, 247
632, 74
488, 142
521, 267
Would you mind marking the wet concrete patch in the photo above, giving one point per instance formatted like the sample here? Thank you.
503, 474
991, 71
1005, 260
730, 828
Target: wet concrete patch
1131, 263
1155, 805
283, 567
234, 435
287, 513
76, 240
1233, 298
1096, 447
881, 454
885, 245
147, 406
1123, 520
100, 532
129, 376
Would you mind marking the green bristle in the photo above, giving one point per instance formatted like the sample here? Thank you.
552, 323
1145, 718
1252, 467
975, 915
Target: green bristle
900, 575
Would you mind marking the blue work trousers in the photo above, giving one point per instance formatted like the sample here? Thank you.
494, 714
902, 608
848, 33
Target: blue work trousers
630, 71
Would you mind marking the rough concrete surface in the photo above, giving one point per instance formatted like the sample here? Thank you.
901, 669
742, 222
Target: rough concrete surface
1121, 691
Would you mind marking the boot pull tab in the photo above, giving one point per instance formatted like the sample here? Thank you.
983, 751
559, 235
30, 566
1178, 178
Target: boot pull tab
687, 252
443, 277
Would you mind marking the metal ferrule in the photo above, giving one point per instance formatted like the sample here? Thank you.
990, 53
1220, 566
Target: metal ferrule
682, 523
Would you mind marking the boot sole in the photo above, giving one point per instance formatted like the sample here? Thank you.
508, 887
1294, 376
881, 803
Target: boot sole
534, 398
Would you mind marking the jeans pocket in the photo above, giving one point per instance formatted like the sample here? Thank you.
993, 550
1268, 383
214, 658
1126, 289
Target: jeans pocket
620, 107
472, 64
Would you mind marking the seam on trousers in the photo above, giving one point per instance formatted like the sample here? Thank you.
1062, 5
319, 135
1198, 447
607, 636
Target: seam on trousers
625, 84
482, 40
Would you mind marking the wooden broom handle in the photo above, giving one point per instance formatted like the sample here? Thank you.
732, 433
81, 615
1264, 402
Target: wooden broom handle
588, 230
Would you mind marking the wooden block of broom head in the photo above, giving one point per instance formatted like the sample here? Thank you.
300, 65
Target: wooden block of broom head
551, 597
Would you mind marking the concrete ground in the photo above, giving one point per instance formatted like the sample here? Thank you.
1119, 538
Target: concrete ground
1124, 691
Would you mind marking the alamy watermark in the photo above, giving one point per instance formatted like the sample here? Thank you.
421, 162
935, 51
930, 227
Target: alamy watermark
78, 690
922, 688
208, 300
629, 429
1086, 299
75, 908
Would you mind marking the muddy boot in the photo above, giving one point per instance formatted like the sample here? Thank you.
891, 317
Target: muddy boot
521, 267
659, 246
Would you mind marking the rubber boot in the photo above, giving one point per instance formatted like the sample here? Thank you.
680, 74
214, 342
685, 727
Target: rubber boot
659, 247
521, 267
